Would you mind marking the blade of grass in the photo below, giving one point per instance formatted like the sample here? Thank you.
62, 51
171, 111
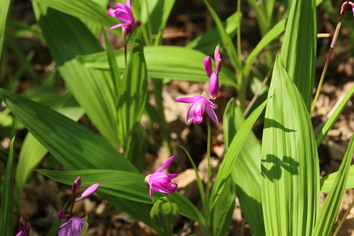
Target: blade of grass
329, 211
6, 208
4, 9
327, 182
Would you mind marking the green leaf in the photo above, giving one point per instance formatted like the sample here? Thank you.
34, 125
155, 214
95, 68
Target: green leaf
71, 144
93, 89
6, 208
266, 39
290, 169
32, 151
246, 172
329, 211
226, 40
299, 47
206, 42
165, 62
133, 95
87, 11
327, 182
221, 214
233, 153
4, 9
334, 116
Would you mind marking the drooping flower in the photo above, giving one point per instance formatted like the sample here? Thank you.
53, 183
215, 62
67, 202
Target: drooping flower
162, 182
199, 105
73, 227
124, 13
24, 228
214, 77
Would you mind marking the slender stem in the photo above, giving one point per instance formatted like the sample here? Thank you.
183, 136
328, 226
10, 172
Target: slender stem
334, 39
125, 39
207, 189
343, 219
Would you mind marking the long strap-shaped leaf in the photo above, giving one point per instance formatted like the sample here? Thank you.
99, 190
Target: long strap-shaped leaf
246, 172
299, 47
6, 207
290, 170
233, 153
4, 8
93, 89
330, 208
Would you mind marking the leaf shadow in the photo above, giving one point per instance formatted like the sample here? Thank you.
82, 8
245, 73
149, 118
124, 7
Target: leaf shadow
279, 165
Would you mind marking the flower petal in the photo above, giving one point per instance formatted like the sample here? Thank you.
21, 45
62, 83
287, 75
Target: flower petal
89, 191
166, 164
211, 114
186, 99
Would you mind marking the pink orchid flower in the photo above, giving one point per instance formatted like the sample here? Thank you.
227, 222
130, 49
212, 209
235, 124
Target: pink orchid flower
124, 13
73, 227
196, 111
162, 182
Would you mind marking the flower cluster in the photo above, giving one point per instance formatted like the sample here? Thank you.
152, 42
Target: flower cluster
201, 103
124, 13
162, 182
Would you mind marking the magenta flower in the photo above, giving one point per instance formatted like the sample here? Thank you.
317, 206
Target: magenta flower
162, 182
124, 13
196, 111
73, 227
23, 227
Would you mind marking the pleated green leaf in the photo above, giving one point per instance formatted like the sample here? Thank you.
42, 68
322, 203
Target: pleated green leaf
4, 9
290, 169
6, 207
93, 89
32, 151
88, 11
246, 172
71, 144
327, 182
299, 47
329, 211
233, 153
133, 95
206, 42
333, 118
165, 62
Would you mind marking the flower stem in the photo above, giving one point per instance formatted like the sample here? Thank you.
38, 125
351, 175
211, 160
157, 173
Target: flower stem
334, 39
207, 189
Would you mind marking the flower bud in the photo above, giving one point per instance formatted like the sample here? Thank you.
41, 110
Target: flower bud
214, 85
207, 66
76, 185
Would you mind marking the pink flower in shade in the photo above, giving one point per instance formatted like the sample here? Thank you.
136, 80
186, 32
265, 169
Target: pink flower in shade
23, 227
162, 182
196, 111
345, 4
73, 227
124, 13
